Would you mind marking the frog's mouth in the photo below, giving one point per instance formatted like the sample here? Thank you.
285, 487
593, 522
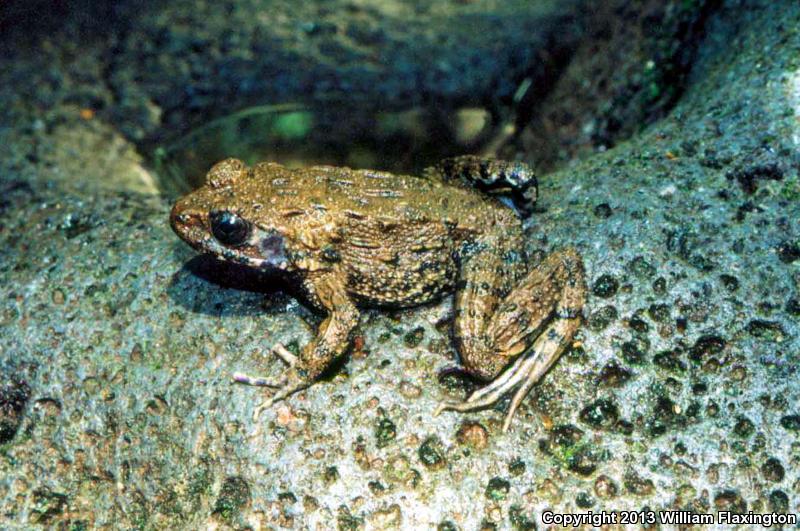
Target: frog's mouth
264, 250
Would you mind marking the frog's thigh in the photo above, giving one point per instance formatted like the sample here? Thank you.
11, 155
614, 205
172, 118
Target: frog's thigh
555, 288
485, 279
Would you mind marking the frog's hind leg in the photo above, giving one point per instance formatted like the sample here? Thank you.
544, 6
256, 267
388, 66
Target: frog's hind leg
524, 373
538, 320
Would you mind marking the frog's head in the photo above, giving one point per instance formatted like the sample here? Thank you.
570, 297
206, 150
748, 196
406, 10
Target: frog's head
229, 218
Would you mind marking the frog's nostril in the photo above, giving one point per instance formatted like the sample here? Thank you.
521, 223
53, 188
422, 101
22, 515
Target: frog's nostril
184, 222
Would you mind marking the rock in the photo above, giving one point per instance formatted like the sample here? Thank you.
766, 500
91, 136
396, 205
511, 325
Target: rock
123, 341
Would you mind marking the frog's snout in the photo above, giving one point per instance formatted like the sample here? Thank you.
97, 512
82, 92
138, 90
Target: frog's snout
186, 224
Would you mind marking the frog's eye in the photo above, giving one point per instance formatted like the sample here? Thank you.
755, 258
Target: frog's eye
229, 228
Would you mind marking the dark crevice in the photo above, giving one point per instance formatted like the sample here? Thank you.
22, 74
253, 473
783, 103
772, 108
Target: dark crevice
629, 71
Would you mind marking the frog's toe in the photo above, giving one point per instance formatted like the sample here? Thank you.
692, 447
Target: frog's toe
492, 393
455, 406
286, 386
521, 393
284, 354
285, 391
446, 406
510, 377
258, 381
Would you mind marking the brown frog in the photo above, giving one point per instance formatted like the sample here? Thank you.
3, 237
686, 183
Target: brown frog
357, 238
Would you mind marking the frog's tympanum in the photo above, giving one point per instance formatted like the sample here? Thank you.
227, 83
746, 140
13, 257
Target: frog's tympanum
349, 239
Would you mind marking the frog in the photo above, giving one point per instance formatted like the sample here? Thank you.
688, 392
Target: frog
350, 239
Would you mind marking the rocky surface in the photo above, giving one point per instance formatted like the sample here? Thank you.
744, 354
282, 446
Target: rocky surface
629, 72
116, 407
157, 71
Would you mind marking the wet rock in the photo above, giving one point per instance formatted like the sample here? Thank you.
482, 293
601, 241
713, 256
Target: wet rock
773, 470
789, 252
605, 286
47, 505
346, 521
603, 211
233, 497
516, 467
660, 285
706, 346
431, 453
791, 422
730, 282
583, 461
626, 87
680, 449
473, 435
565, 436
521, 521
398, 470
641, 268
576, 354
659, 312
566, 445
605, 488
603, 317
600, 414
664, 417
409, 390
743, 428
614, 375
686, 244
637, 324
635, 351
231, 46
670, 360
730, 500
388, 518
385, 429
766, 330
497, 489
637, 485
748, 176
778, 502
330, 475
414, 337
14, 395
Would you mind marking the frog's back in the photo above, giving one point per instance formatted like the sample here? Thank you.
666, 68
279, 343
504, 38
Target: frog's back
371, 194
398, 237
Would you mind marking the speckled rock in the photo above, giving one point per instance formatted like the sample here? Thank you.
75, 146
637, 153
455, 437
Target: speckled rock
117, 409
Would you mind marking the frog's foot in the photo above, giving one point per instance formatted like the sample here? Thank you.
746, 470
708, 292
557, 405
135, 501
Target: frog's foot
289, 384
523, 374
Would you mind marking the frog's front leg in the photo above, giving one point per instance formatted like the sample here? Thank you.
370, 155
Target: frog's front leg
333, 337
536, 321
